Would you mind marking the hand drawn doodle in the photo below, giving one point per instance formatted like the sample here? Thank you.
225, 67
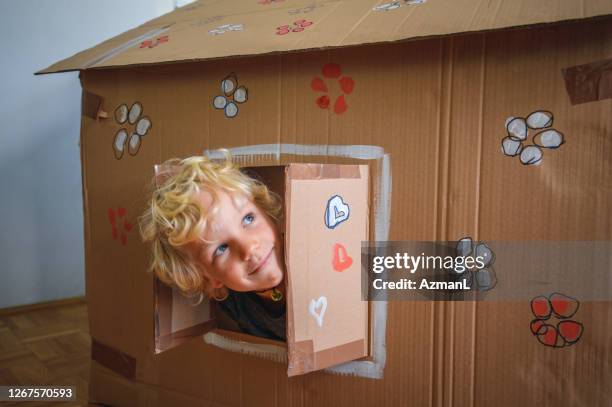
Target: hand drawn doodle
394, 5
481, 277
297, 26
124, 136
336, 211
154, 43
232, 94
346, 84
518, 130
340, 258
560, 308
222, 29
317, 309
120, 225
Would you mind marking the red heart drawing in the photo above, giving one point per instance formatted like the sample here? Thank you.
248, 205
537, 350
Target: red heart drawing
571, 331
341, 260
562, 305
540, 307
121, 212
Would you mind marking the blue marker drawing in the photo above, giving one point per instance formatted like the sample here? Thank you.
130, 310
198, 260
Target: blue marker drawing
336, 211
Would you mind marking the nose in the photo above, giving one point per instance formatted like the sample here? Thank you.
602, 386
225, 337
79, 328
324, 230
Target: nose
249, 248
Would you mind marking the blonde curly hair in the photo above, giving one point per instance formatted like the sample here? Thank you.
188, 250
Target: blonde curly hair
174, 217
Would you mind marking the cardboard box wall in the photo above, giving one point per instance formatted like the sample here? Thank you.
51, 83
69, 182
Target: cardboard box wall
439, 107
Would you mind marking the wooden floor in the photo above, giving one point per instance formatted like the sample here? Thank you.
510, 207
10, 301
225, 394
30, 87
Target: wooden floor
46, 346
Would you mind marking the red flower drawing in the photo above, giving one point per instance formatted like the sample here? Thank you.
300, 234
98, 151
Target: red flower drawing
297, 26
152, 44
120, 226
333, 71
562, 307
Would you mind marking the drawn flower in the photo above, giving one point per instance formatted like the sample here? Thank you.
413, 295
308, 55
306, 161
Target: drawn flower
125, 136
226, 28
397, 4
518, 130
556, 307
332, 71
120, 225
297, 26
154, 43
481, 277
232, 94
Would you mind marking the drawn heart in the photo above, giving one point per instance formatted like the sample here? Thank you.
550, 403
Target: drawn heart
336, 212
127, 226
571, 331
540, 306
317, 309
341, 260
562, 305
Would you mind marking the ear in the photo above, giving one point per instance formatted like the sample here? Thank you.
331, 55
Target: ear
214, 283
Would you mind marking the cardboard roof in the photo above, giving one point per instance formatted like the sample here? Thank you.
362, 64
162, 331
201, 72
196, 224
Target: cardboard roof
211, 29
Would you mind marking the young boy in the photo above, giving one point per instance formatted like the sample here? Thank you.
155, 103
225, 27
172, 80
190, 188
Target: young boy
213, 234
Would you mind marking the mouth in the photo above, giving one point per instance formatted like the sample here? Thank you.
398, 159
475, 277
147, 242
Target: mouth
262, 264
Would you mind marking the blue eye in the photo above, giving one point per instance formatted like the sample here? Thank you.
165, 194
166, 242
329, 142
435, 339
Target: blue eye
248, 219
220, 250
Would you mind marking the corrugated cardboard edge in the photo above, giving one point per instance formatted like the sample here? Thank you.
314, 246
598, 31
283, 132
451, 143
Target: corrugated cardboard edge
589, 82
304, 359
236, 342
381, 200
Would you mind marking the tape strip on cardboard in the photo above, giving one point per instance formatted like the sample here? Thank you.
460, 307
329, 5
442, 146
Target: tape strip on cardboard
323, 171
117, 361
304, 359
589, 82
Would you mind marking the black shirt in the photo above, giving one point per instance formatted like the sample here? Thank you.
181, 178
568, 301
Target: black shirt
253, 316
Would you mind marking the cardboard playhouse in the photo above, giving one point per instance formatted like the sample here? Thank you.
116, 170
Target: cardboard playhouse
431, 120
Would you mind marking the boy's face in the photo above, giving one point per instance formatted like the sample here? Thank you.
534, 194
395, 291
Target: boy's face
242, 248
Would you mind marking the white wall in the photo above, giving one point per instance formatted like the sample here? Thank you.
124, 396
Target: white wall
41, 241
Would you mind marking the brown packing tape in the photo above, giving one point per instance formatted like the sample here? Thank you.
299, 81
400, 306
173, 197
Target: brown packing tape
323, 171
117, 361
589, 82
304, 359
300, 358
173, 339
91, 105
